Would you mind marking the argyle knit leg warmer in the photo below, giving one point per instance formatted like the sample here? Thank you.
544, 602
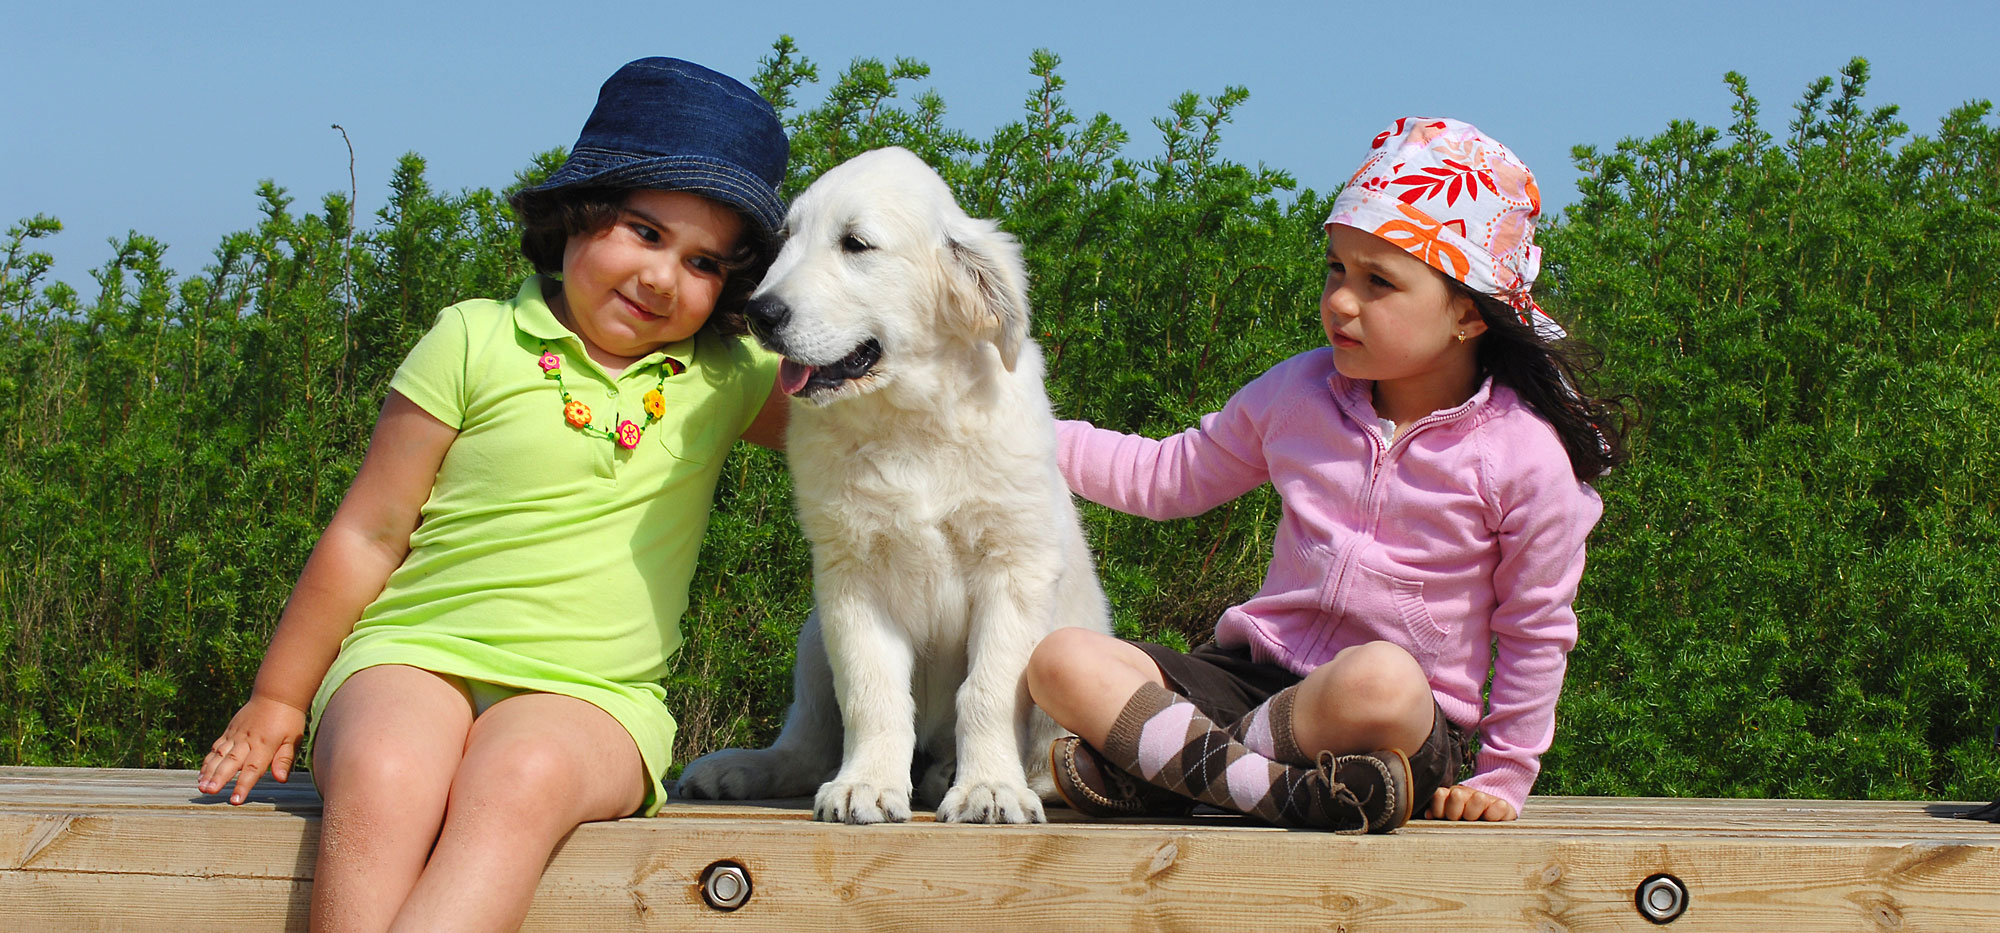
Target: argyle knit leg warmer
1267, 730
1161, 738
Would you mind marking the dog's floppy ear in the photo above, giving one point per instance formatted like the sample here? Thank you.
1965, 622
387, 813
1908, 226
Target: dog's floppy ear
986, 268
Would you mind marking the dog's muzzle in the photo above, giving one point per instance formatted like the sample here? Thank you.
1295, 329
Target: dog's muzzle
800, 379
765, 315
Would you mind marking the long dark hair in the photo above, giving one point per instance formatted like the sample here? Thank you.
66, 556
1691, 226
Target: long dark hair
550, 218
1554, 378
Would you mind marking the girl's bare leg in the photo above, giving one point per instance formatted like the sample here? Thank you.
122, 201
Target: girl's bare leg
1368, 697
388, 743
1083, 680
535, 766
1113, 696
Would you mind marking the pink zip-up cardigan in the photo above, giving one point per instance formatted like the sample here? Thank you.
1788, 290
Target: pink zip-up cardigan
1466, 532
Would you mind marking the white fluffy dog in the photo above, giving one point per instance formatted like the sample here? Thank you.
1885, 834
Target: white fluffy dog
945, 544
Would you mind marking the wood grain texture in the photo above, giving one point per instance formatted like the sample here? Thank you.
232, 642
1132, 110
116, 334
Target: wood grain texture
99, 849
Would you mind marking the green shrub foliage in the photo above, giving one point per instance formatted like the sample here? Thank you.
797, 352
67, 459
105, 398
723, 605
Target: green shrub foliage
1793, 591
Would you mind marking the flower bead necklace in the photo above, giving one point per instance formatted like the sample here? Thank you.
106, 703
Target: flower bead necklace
627, 433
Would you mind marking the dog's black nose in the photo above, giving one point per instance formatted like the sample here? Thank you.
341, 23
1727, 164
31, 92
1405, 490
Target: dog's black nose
765, 315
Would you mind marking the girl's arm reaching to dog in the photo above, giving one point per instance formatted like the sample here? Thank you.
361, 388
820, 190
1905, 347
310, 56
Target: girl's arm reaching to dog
768, 428
1182, 475
365, 542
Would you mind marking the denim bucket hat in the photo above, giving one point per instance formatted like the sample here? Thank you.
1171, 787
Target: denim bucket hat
676, 126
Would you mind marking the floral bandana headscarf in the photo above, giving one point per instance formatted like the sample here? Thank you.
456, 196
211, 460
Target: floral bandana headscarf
1458, 200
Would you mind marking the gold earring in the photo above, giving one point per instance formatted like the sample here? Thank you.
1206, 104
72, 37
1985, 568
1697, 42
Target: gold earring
1461, 336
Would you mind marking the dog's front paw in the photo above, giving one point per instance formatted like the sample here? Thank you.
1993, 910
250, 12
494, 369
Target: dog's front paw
748, 774
861, 802
990, 803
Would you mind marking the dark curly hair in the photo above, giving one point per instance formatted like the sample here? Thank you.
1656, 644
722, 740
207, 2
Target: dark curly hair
550, 218
1553, 377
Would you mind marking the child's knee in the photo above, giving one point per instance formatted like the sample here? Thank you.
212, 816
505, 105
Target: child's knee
1377, 676
1059, 658
521, 774
384, 778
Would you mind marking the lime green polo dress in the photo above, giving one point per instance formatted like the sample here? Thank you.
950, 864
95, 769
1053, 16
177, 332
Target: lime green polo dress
547, 559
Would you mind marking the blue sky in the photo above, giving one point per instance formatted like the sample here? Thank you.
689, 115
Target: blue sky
162, 118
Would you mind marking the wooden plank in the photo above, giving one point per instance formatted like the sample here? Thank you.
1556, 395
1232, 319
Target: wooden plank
643, 874
175, 790
143, 842
170, 785
1155, 878
122, 788
53, 902
105, 861
139, 787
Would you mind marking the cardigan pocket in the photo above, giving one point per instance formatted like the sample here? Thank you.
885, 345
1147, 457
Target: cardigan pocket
1315, 570
1318, 589
1394, 609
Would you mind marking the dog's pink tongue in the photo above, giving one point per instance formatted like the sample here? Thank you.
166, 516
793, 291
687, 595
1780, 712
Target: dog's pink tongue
792, 376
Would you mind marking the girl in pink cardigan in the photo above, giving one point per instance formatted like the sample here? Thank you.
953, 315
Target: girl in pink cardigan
1434, 465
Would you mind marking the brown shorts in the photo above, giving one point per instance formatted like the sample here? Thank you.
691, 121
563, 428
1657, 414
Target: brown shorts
1225, 684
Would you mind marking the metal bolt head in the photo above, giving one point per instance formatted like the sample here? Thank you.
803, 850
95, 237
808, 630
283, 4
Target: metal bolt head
1661, 898
725, 885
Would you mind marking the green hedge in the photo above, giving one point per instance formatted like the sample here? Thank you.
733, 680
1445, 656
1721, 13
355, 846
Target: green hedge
1793, 592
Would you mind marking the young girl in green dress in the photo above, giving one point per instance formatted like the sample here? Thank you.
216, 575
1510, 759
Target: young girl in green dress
478, 637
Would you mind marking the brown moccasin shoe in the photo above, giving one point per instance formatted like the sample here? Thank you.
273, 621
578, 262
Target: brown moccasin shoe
1368, 793
1097, 788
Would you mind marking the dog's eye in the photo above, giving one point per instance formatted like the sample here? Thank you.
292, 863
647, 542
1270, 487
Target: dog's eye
854, 244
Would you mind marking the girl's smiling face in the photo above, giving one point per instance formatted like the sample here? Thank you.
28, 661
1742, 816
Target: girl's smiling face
1393, 319
650, 278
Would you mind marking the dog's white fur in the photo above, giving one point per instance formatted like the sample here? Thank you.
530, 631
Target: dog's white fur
945, 543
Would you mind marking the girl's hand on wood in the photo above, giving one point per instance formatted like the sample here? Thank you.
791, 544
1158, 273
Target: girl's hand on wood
1460, 802
264, 733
